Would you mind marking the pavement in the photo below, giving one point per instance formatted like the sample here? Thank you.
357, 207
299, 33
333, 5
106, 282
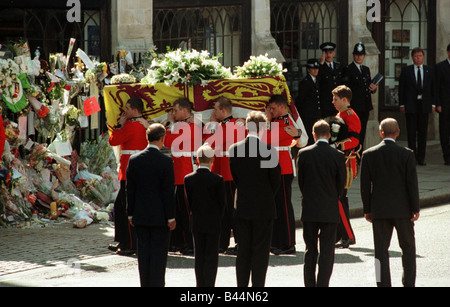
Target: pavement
59, 245
434, 184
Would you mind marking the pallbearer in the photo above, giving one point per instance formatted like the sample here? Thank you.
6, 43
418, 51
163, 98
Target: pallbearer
183, 137
130, 134
282, 136
225, 131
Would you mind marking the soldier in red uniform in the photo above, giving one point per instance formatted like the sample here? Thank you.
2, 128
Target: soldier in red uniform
282, 136
342, 95
183, 137
130, 134
227, 131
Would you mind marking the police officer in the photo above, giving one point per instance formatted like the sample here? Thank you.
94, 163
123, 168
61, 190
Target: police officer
357, 78
308, 100
330, 76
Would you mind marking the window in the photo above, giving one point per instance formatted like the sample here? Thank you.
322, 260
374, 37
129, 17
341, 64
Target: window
299, 28
217, 29
405, 28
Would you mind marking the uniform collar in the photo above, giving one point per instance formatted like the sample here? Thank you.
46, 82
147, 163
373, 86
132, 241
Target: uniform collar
226, 120
133, 119
282, 116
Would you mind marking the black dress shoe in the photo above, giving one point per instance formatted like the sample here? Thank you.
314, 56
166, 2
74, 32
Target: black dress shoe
113, 247
422, 163
345, 243
125, 252
288, 251
187, 252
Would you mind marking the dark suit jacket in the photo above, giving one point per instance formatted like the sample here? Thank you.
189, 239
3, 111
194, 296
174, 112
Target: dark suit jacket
308, 100
408, 91
358, 82
443, 85
389, 187
329, 80
150, 188
257, 174
321, 177
205, 194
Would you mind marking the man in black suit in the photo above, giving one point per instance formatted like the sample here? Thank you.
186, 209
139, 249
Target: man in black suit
390, 195
256, 172
417, 96
308, 100
151, 206
443, 104
357, 78
205, 195
330, 76
321, 178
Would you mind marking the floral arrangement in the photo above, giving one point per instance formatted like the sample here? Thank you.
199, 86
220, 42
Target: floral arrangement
260, 66
123, 78
188, 67
71, 116
96, 74
8, 72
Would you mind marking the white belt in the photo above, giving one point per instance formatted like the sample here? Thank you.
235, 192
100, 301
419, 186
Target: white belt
130, 152
183, 153
283, 148
287, 148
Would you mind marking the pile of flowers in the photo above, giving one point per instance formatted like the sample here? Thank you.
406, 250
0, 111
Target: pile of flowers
188, 67
260, 66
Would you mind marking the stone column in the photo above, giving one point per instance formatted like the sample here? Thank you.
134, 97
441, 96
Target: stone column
262, 40
132, 25
358, 32
443, 30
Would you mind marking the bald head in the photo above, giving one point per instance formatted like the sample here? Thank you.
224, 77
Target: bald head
389, 128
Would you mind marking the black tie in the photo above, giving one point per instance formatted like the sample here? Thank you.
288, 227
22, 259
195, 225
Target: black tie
419, 80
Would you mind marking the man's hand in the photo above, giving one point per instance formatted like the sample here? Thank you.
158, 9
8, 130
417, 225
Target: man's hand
415, 216
368, 217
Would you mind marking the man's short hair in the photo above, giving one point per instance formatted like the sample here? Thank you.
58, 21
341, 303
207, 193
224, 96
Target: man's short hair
448, 47
389, 126
136, 104
225, 103
205, 154
155, 132
321, 129
278, 99
343, 91
183, 103
254, 120
417, 50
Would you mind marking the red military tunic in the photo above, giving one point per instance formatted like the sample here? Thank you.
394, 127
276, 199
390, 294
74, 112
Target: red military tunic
354, 128
350, 145
227, 133
183, 139
281, 141
132, 138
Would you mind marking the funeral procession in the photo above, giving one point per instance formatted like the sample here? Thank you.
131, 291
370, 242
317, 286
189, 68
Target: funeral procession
224, 144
